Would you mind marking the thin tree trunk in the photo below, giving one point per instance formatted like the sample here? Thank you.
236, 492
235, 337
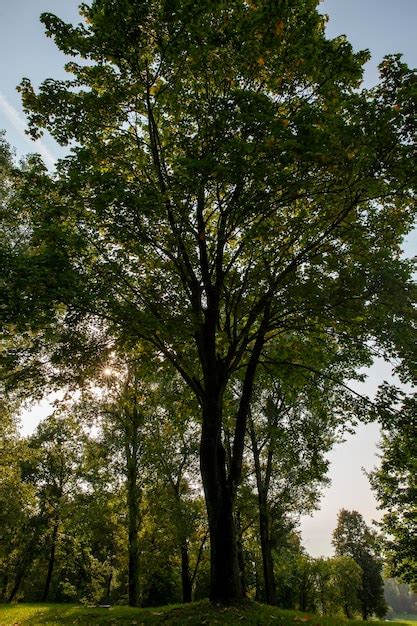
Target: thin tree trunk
25, 562
258, 589
132, 423
5, 584
133, 547
241, 556
185, 574
51, 563
186, 578
303, 597
198, 560
17, 583
108, 586
264, 522
364, 612
267, 560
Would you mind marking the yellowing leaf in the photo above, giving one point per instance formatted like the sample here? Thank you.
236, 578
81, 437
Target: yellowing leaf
279, 28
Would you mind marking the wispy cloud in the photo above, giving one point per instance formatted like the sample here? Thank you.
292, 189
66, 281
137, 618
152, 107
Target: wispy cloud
19, 123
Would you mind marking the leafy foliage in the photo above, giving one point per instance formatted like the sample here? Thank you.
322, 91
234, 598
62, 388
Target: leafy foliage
395, 485
352, 538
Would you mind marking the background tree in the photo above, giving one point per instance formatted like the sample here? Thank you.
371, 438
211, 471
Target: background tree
395, 486
288, 565
228, 183
346, 585
400, 597
172, 453
288, 441
46, 469
53, 470
354, 539
123, 424
17, 497
92, 562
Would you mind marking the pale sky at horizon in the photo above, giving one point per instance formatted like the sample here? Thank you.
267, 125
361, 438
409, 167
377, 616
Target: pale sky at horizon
383, 26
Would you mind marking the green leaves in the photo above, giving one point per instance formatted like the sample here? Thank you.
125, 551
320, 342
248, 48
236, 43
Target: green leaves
353, 538
394, 483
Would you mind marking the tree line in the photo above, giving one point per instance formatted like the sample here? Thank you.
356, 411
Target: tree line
219, 252
104, 511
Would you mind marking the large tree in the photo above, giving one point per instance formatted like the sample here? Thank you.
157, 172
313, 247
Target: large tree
228, 184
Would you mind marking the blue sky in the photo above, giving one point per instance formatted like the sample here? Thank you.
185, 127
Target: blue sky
383, 26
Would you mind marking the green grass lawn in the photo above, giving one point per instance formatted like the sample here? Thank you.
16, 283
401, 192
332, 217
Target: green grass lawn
196, 613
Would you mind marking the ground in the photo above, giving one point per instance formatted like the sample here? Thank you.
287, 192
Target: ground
180, 615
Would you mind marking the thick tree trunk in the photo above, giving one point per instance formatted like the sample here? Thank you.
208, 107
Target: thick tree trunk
225, 585
51, 563
219, 487
185, 574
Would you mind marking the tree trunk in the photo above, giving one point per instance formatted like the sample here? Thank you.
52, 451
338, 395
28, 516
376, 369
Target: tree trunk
303, 594
26, 561
108, 587
51, 564
264, 523
225, 586
267, 560
132, 420
185, 574
258, 584
219, 488
4, 585
16, 586
133, 548
240, 555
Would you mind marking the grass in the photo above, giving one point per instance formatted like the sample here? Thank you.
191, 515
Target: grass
180, 615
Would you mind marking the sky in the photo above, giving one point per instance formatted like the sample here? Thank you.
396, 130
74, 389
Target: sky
382, 26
